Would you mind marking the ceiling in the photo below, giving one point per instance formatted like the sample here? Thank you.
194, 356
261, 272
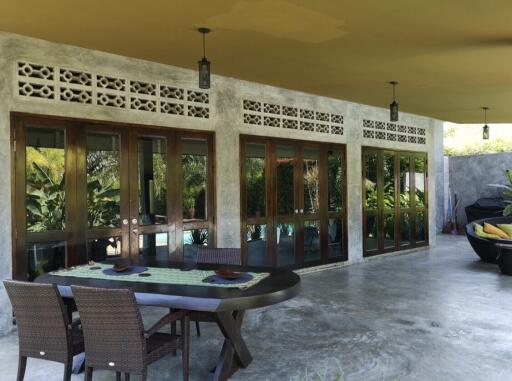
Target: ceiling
450, 57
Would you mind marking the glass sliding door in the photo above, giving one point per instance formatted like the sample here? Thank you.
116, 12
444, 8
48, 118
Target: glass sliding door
88, 191
395, 208
292, 197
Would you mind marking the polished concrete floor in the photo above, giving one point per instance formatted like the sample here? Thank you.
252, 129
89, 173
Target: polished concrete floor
431, 315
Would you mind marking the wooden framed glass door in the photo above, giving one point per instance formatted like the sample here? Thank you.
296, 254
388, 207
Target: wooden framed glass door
292, 195
394, 200
91, 190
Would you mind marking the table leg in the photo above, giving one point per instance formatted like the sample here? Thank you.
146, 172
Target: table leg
234, 354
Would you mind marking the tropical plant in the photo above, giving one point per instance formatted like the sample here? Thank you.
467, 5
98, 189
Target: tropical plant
199, 236
102, 204
45, 200
507, 192
194, 168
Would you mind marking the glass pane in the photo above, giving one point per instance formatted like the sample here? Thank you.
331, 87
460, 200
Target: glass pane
419, 178
405, 229
100, 249
311, 181
154, 245
103, 180
405, 195
192, 240
420, 226
389, 231
152, 157
44, 257
370, 170
389, 181
284, 181
45, 165
334, 179
255, 179
194, 169
257, 245
372, 239
335, 237
311, 241
285, 234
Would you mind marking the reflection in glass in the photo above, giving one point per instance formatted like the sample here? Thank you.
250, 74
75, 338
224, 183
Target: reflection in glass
44, 257
103, 180
405, 229
389, 181
152, 181
420, 227
194, 169
45, 192
419, 178
100, 249
192, 240
154, 245
372, 239
255, 179
311, 181
257, 245
335, 181
335, 237
389, 231
285, 234
311, 241
284, 180
405, 191
370, 168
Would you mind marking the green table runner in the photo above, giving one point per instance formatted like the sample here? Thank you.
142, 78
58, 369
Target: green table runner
158, 275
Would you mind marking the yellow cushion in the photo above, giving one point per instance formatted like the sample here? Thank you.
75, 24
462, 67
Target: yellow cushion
479, 231
507, 228
491, 229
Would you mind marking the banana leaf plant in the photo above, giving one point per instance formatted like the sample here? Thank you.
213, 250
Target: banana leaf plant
507, 192
45, 201
102, 204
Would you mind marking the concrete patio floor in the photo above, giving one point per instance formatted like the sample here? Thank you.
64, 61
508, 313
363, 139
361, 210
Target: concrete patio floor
437, 314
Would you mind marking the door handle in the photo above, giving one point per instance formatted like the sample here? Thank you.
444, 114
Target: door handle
135, 230
302, 211
296, 211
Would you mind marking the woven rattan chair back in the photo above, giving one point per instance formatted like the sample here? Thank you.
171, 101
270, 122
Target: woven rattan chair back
220, 256
113, 329
41, 319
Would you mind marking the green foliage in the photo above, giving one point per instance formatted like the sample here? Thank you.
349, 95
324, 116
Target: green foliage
199, 237
102, 204
486, 146
45, 200
508, 193
194, 172
255, 185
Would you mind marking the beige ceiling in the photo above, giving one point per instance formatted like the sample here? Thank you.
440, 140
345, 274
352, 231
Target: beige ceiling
450, 56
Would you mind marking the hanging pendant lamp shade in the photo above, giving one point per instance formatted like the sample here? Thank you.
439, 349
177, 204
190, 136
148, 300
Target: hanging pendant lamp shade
393, 107
204, 64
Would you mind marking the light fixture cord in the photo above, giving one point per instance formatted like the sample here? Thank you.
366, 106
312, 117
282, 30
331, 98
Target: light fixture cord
204, 46
485, 116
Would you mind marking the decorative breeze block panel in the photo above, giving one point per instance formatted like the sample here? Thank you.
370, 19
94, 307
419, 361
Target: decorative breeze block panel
373, 129
258, 113
71, 85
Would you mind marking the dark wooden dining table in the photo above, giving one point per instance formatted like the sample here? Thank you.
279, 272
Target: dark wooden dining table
225, 306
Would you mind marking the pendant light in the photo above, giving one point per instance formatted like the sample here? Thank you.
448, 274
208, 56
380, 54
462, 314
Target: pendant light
204, 64
485, 134
393, 107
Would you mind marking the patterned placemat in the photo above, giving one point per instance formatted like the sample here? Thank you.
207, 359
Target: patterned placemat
158, 275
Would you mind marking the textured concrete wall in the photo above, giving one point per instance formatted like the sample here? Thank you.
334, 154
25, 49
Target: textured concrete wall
226, 119
469, 176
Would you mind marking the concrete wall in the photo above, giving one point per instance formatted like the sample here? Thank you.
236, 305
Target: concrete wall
226, 119
469, 176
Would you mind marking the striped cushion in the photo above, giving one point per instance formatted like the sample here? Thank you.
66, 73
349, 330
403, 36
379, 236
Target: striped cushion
221, 256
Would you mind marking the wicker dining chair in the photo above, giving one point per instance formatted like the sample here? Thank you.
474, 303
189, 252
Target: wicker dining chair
218, 256
44, 328
115, 338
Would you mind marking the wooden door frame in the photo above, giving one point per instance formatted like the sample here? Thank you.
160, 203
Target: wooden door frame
270, 219
380, 212
75, 134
